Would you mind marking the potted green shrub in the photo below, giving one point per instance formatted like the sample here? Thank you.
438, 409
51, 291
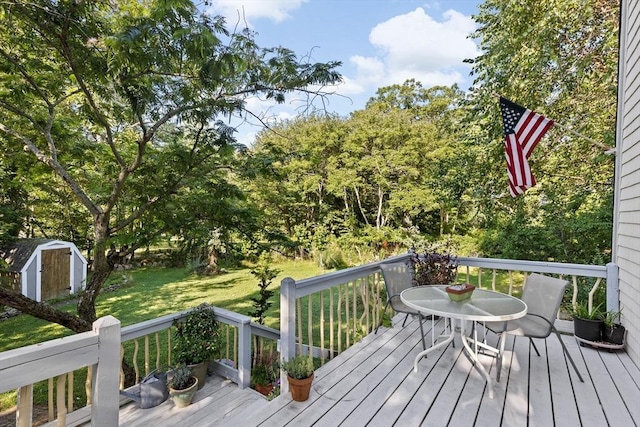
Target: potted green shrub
588, 324
196, 340
299, 371
262, 378
613, 331
182, 386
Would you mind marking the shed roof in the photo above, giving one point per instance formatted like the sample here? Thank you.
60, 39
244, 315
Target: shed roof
17, 253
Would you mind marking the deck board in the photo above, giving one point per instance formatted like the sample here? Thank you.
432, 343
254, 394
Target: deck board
373, 384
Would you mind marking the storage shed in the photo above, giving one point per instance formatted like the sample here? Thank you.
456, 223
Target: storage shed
42, 269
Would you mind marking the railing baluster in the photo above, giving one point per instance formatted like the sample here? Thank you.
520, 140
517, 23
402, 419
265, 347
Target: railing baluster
169, 346
322, 326
157, 350
339, 311
227, 346
70, 392
366, 303
147, 362
135, 359
87, 384
50, 400
299, 318
510, 282
331, 324
592, 292
61, 409
24, 413
309, 323
493, 281
355, 313
347, 319
236, 339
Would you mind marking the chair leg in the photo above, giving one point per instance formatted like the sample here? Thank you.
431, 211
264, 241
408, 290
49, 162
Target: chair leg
381, 316
424, 345
534, 346
564, 348
405, 320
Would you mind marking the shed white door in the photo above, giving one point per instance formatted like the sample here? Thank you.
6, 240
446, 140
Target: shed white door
56, 271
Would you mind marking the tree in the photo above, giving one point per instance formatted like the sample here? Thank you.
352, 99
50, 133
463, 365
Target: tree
558, 57
120, 100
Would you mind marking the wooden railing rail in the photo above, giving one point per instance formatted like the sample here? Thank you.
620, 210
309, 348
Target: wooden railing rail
97, 349
236, 331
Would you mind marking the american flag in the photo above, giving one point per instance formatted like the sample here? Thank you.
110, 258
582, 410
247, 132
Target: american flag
523, 129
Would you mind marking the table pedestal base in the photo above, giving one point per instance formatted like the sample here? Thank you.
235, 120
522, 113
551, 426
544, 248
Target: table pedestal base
459, 329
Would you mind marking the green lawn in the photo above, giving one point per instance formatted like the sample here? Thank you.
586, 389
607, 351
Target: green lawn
148, 293
152, 292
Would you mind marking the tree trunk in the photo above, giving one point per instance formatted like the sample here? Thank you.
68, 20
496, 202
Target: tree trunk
102, 268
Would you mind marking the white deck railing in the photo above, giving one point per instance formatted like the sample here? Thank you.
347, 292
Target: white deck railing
355, 302
324, 314
98, 350
101, 352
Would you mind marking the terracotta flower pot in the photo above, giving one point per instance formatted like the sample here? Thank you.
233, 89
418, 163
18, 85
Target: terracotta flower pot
264, 389
300, 388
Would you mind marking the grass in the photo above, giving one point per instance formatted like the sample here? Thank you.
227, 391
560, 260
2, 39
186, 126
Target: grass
148, 293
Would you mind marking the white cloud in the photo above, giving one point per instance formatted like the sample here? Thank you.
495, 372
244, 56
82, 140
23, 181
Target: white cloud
415, 45
244, 11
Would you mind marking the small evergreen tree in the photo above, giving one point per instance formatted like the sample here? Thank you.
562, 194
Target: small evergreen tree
265, 275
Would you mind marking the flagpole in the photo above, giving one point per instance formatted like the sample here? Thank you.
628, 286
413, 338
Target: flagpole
608, 150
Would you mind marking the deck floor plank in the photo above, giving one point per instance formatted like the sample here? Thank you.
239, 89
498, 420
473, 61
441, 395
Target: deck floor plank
540, 405
516, 405
373, 384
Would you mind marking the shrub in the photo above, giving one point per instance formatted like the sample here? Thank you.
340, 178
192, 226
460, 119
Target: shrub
299, 367
196, 338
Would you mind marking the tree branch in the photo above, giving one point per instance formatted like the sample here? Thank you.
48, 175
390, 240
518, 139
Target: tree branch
42, 310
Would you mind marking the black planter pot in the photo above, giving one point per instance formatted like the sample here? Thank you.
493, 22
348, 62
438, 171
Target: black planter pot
614, 334
587, 329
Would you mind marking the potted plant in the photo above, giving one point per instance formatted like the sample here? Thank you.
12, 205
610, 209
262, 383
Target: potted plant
588, 324
262, 378
613, 331
196, 340
299, 371
182, 386
434, 268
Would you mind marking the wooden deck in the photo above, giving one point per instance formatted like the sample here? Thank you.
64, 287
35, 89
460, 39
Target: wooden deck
373, 383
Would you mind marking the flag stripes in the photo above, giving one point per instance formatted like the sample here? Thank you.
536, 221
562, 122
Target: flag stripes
523, 129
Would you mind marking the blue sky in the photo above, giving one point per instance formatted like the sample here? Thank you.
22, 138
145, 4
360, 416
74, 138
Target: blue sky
379, 42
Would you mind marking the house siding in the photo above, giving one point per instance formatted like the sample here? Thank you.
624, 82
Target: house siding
626, 238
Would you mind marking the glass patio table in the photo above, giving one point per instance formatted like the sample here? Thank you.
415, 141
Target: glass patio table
483, 306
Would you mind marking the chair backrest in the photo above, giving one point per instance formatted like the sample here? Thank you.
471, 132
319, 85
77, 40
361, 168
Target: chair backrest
543, 295
397, 278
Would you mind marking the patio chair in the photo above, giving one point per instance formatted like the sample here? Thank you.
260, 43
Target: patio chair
543, 295
397, 278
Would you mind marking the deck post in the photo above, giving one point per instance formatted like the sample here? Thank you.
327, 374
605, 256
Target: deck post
244, 353
106, 397
613, 287
287, 325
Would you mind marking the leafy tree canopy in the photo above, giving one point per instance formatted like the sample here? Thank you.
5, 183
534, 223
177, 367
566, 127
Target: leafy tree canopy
122, 101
